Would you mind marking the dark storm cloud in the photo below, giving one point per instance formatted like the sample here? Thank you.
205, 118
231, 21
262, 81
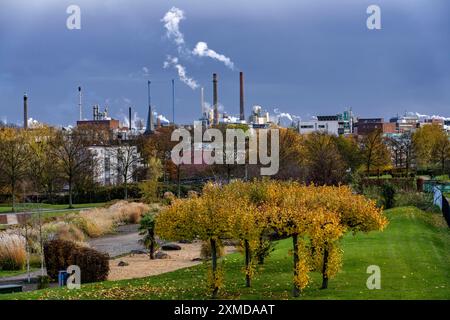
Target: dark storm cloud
303, 57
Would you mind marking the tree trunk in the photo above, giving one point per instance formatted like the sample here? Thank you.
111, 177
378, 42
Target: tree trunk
261, 256
296, 291
13, 195
70, 194
248, 280
324, 268
126, 189
151, 233
179, 181
214, 267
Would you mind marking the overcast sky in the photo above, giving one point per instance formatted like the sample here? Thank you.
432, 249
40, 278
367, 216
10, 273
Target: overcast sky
303, 57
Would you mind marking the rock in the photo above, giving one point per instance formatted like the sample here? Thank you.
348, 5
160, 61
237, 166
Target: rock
161, 255
123, 264
170, 247
132, 252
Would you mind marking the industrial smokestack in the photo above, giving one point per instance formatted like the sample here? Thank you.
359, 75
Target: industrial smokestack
25, 111
216, 110
202, 101
79, 103
241, 104
150, 122
129, 118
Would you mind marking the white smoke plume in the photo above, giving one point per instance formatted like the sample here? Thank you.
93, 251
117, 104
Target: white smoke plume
172, 21
279, 116
173, 61
428, 117
202, 50
163, 119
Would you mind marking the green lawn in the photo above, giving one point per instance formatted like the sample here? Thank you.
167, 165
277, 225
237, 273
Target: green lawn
413, 254
34, 207
8, 273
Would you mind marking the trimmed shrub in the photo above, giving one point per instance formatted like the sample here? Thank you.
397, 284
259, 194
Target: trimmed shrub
59, 254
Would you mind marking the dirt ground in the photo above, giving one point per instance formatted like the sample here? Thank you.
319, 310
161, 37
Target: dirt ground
141, 266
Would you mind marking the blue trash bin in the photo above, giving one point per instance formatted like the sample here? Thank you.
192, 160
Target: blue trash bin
62, 278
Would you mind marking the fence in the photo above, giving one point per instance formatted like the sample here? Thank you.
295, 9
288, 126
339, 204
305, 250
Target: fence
441, 201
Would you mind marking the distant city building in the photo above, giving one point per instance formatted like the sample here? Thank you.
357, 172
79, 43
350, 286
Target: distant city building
368, 125
108, 168
340, 124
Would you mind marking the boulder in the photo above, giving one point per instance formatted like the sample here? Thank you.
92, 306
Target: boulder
170, 247
161, 255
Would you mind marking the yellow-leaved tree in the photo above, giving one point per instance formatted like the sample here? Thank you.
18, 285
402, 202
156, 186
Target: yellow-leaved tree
206, 218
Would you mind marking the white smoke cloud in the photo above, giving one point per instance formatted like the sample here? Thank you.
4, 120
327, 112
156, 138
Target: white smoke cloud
284, 117
173, 61
428, 117
163, 119
202, 50
172, 21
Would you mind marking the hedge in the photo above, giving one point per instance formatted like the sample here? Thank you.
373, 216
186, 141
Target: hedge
60, 254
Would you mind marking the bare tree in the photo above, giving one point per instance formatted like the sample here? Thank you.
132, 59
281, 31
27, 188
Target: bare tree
75, 159
14, 157
127, 161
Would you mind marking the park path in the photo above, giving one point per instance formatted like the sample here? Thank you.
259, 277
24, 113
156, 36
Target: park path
125, 241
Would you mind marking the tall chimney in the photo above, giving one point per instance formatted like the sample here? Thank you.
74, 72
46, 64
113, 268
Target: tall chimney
202, 100
93, 112
150, 122
241, 104
79, 103
25, 111
129, 118
216, 110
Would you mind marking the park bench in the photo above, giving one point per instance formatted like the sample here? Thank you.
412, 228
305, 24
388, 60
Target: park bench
10, 288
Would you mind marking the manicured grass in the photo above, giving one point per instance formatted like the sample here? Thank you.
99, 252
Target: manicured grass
412, 253
8, 273
34, 207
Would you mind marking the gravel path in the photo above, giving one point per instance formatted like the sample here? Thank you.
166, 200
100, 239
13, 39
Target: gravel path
126, 240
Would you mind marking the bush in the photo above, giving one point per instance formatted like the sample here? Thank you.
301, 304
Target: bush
12, 252
388, 194
60, 254
99, 221
421, 200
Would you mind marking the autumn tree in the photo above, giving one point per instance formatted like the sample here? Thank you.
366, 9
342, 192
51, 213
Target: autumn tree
374, 151
353, 212
250, 219
14, 158
206, 218
324, 161
440, 154
149, 187
74, 158
41, 167
424, 141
